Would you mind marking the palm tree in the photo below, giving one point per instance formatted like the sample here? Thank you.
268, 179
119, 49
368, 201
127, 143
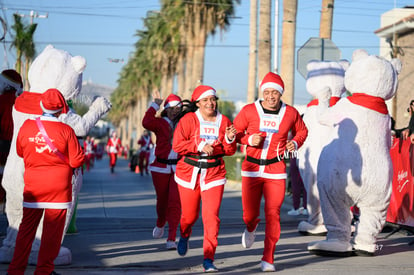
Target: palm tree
288, 48
251, 85
264, 49
325, 28
23, 43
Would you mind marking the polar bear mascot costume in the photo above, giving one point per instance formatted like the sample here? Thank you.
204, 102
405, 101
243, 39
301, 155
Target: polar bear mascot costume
53, 68
355, 168
321, 75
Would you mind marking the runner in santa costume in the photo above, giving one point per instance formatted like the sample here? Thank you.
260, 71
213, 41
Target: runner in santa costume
145, 144
264, 126
202, 136
50, 150
89, 152
11, 86
112, 147
163, 167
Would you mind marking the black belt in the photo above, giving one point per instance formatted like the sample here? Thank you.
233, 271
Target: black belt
203, 165
205, 157
264, 161
167, 161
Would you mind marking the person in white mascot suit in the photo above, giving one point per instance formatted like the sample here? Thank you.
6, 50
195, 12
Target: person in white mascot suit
355, 168
321, 75
52, 68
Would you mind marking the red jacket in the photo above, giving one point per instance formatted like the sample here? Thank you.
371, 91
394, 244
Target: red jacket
113, 145
189, 138
163, 129
47, 177
275, 129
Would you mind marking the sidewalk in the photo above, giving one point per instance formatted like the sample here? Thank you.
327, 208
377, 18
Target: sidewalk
116, 215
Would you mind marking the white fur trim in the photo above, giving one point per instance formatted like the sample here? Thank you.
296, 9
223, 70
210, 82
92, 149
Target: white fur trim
47, 111
172, 104
206, 94
272, 85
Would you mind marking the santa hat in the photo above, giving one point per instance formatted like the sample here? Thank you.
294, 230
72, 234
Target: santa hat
201, 92
12, 78
172, 100
52, 101
274, 81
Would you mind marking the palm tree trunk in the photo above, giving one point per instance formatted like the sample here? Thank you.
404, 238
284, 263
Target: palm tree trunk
181, 75
288, 48
251, 83
264, 54
325, 28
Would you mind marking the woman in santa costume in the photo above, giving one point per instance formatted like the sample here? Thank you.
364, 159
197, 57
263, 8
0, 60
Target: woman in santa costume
263, 126
51, 152
163, 167
112, 147
203, 136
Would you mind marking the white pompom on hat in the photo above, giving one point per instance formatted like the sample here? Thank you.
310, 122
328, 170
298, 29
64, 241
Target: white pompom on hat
201, 92
172, 100
12, 78
274, 81
52, 101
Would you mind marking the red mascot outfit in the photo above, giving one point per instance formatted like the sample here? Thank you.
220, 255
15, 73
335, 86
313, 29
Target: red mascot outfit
50, 151
145, 144
112, 147
201, 176
163, 168
264, 169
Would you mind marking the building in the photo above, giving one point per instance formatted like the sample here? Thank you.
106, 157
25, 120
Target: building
397, 41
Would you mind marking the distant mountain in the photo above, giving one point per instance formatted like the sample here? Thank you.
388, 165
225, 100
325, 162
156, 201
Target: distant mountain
91, 90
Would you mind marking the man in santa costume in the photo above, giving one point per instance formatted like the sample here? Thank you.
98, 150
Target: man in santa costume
112, 147
163, 167
50, 150
145, 144
11, 85
202, 136
263, 126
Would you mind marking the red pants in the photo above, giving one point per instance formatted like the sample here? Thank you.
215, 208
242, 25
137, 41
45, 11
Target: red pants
274, 194
168, 202
53, 226
143, 161
190, 207
88, 161
112, 159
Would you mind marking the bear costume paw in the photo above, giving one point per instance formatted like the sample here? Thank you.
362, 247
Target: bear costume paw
330, 248
307, 229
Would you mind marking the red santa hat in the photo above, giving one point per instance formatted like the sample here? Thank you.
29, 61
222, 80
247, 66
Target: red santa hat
274, 81
172, 100
52, 101
202, 91
12, 78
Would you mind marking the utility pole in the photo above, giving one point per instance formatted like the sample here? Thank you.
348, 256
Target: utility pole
325, 29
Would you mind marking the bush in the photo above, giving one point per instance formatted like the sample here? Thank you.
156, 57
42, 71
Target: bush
233, 166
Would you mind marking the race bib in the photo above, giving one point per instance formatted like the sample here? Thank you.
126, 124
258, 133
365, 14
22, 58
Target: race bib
269, 123
209, 131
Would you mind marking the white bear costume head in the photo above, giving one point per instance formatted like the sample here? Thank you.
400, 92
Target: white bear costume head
328, 74
55, 68
372, 75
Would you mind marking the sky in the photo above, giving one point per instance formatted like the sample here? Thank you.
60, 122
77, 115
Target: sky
101, 30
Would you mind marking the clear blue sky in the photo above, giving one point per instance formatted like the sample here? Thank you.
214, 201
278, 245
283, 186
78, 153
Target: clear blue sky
104, 29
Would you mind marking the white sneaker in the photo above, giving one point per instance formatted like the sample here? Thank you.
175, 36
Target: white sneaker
171, 245
248, 238
293, 212
304, 212
158, 232
267, 267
